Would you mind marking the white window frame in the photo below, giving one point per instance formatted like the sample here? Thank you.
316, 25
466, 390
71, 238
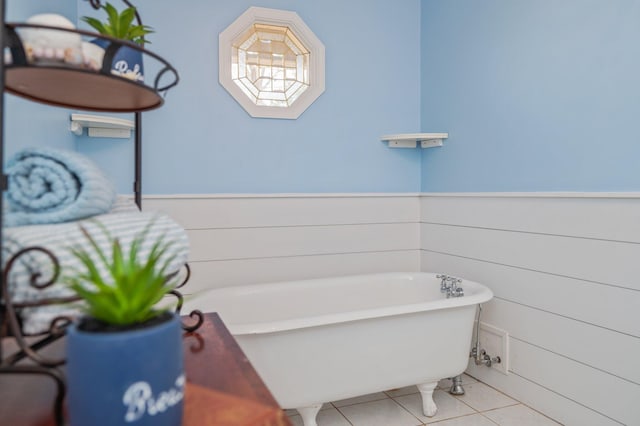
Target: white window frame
282, 18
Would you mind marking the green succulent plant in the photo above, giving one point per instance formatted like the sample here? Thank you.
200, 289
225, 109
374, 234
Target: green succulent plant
120, 25
131, 288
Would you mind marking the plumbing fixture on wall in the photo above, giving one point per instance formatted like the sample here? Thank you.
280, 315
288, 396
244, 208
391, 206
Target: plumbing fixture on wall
493, 351
494, 341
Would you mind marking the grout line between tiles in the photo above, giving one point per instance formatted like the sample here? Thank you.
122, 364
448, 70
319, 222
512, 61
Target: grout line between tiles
403, 407
475, 411
524, 405
498, 408
343, 416
516, 402
491, 420
452, 418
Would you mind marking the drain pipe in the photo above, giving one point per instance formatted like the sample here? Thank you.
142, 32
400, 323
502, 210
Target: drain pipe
475, 351
479, 356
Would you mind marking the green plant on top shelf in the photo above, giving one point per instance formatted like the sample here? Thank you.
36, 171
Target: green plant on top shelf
133, 284
120, 25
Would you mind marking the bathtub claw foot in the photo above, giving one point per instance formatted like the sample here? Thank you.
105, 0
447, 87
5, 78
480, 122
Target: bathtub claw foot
428, 406
309, 414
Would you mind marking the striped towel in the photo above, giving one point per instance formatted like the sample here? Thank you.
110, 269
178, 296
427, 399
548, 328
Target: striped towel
59, 238
48, 185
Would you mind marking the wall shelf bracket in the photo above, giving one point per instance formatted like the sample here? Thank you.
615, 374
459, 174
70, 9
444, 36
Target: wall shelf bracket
411, 140
101, 126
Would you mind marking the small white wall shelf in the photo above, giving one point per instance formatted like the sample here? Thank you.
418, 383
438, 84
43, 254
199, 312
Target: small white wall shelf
410, 140
101, 126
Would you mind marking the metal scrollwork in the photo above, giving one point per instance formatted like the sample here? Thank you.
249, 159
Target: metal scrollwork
44, 365
11, 308
28, 345
194, 314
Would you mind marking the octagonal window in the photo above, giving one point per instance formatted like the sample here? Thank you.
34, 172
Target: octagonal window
271, 63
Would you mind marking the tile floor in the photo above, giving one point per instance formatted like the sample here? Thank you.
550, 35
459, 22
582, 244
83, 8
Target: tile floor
481, 405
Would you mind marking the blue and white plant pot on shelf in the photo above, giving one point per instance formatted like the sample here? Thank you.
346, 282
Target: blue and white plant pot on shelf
133, 378
126, 62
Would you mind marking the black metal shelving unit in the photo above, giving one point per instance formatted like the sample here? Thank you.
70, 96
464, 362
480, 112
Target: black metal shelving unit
77, 87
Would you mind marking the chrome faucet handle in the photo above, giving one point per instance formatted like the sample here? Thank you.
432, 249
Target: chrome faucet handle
453, 280
443, 283
455, 292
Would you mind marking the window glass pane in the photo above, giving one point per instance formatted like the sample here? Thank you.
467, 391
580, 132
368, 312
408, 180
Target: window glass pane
295, 95
272, 96
272, 103
270, 64
277, 85
293, 89
246, 91
277, 73
250, 38
263, 84
252, 72
242, 63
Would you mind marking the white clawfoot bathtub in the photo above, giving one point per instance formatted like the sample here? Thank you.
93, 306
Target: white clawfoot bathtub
321, 340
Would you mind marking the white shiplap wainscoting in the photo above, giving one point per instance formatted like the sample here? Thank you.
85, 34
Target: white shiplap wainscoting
248, 239
565, 271
564, 268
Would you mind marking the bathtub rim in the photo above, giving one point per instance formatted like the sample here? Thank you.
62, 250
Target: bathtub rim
480, 294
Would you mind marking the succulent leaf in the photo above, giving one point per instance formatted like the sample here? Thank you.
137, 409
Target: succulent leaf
129, 290
120, 24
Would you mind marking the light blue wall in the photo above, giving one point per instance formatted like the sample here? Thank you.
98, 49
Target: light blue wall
28, 123
537, 95
202, 141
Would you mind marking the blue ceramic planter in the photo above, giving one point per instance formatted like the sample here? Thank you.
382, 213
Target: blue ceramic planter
126, 62
126, 378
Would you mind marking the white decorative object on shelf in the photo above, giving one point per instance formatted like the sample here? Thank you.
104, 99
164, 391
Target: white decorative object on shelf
410, 140
101, 126
46, 46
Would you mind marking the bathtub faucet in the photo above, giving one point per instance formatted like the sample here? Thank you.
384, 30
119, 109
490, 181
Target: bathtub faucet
449, 285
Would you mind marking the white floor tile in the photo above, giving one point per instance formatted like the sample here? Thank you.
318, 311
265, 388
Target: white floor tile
448, 406
482, 397
385, 412
519, 415
472, 420
359, 399
408, 390
326, 417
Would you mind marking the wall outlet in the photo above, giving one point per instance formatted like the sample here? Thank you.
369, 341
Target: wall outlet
496, 343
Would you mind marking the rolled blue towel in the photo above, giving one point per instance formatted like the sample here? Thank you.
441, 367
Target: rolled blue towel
49, 185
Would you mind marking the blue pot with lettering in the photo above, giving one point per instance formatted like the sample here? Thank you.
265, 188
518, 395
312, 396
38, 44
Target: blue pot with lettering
125, 61
134, 377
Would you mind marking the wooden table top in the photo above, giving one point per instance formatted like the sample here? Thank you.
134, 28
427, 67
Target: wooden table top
222, 386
